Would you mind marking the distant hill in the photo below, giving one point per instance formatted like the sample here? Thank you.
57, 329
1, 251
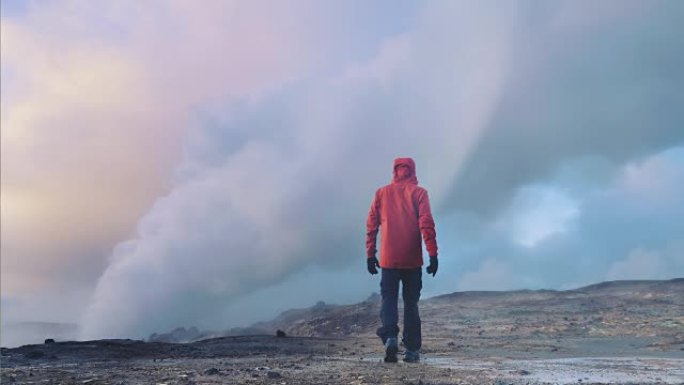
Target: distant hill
624, 308
616, 307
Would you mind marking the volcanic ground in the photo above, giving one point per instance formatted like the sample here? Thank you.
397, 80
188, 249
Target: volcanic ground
619, 332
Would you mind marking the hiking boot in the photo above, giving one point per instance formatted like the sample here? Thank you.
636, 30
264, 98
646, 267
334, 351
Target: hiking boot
410, 356
391, 350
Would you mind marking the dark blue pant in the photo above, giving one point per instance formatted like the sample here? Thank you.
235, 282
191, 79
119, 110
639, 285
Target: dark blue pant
411, 283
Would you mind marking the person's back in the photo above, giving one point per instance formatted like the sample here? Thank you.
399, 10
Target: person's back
402, 210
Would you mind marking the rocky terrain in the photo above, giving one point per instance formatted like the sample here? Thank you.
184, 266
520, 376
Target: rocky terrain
620, 332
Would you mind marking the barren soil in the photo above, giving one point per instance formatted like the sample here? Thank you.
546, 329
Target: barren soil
623, 332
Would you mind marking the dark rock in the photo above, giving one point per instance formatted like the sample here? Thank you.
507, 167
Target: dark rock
49, 341
273, 374
280, 333
211, 372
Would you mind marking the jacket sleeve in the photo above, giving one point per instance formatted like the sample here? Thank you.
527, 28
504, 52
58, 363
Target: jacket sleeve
427, 224
373, 225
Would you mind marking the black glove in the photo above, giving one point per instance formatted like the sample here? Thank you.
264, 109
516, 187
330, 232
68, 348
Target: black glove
372, 264
432, 269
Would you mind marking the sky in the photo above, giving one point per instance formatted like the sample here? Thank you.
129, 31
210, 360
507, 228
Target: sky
177, 163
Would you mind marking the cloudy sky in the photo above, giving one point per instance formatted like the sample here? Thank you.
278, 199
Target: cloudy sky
175, 163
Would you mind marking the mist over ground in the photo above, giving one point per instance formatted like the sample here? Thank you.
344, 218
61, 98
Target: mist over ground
176, 163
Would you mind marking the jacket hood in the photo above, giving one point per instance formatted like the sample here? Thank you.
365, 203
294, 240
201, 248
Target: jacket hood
411, 165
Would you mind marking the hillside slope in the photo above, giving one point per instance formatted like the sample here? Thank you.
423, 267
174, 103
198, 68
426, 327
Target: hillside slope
618, 308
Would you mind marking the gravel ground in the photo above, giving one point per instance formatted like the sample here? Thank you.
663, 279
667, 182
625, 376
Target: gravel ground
296, 360
621, 332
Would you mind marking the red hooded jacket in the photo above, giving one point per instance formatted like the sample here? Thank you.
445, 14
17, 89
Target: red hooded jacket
402, 210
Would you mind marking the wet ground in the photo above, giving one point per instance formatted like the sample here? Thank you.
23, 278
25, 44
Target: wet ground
620, 332
296, 360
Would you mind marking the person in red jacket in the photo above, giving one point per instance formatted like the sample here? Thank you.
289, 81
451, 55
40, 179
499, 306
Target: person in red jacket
401, 210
